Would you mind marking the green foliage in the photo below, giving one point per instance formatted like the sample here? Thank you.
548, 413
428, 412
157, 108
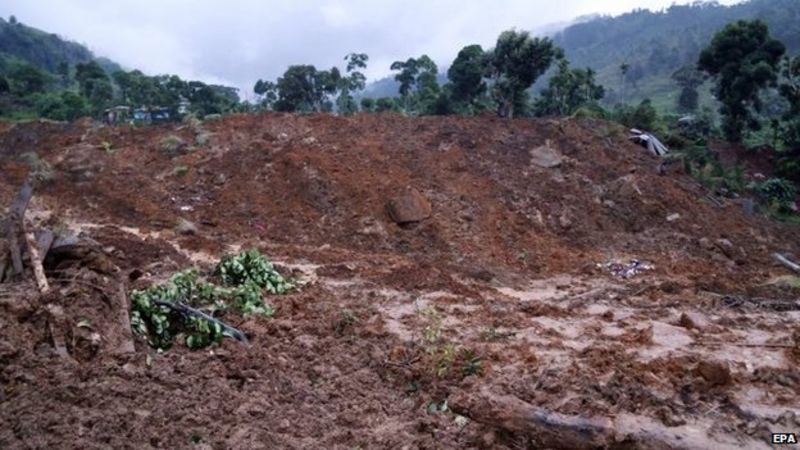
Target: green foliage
40, 170
94, 84
352, 82
514, 65
303, 88
643, 116
655, 43
172, 145
568, 89
689, 79
66, 105
246, 277
180, 171
743, 59
419, 74
25, 79
346, 320
778, 193
251, 267
267, 92
471, 363
466, 76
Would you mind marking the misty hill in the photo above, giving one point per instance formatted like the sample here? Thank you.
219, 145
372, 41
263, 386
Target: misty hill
43, 50
653, 44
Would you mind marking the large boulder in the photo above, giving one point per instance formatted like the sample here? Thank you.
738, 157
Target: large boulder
409, 206
546, 156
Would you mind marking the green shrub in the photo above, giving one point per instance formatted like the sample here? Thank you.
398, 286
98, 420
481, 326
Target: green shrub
246, 277
778, 193
172, 145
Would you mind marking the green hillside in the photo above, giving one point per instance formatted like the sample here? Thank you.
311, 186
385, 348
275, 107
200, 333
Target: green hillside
44, 50
655, 44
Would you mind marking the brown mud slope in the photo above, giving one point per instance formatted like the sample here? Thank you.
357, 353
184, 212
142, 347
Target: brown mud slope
539, 347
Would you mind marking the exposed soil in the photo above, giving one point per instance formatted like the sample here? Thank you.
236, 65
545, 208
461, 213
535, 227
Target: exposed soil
702, 350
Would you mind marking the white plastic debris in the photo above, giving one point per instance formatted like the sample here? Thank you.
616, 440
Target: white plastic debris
649, 141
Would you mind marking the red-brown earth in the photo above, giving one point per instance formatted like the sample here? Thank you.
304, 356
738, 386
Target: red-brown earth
696, 353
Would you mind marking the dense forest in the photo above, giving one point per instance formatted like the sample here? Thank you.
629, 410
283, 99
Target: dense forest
653, 45
43, 75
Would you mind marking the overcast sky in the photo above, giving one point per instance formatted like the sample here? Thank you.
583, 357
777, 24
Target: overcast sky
236, 42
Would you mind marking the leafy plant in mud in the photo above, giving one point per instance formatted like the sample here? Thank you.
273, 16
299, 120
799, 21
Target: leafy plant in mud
441, 355
252, 267
246, 277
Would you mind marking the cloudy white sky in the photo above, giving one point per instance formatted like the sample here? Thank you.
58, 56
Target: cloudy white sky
236, 42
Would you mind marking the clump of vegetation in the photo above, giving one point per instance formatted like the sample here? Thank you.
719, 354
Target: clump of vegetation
41, 170
244, 277
180, 171
346, 320
440, 355
172, 145
201, 138
106, 147
778, 193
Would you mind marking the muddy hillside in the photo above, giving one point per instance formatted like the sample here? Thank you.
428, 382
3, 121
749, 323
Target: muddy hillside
460, 283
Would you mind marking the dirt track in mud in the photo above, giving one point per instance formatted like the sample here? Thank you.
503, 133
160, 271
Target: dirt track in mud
696, 353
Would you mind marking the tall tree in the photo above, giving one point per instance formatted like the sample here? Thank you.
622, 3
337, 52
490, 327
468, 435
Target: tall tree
406, 76
352, 82
689, 79
567, 90
303, 88
743, 59
94, 84
623, 77
466, 76
515, 63
25, 79
267, 92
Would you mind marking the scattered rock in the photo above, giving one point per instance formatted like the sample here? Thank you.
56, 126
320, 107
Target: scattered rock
686, 322
186, 228
670, 287
714, 372
725, 246
481, 275
705, 243
564, 221
673, 217
546, 156
410, 206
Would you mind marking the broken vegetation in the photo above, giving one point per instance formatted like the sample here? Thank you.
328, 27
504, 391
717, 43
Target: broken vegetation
185, 305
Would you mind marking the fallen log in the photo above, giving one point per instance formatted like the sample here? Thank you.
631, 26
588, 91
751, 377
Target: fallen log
123, 316
36, 262
785, 261
14, 223
549, 429
185, 309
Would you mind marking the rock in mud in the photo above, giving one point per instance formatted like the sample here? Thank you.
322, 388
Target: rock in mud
546, 156
714, 372
186, 228
686, 322
409, 206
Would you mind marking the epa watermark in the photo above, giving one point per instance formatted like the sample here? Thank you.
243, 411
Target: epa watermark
783, 438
